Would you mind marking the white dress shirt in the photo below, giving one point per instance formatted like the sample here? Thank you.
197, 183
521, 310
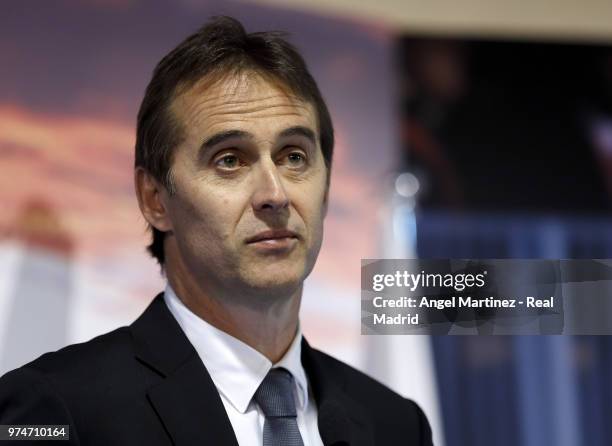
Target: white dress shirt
237, 370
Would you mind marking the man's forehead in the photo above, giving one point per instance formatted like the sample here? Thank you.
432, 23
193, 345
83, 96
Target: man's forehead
244, 95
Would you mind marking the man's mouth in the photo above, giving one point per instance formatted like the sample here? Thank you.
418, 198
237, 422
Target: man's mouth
273, 236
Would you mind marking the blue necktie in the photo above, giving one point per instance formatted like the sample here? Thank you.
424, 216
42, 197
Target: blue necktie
275, 398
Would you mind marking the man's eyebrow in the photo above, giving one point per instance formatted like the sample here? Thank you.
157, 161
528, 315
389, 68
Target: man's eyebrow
220, 137
299, 131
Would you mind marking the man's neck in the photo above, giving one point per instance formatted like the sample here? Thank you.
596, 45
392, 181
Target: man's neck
269, 327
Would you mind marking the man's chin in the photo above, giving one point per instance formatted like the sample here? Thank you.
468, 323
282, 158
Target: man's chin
274, 281
274, 286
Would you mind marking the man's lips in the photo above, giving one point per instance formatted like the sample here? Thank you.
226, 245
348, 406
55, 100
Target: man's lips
273, 234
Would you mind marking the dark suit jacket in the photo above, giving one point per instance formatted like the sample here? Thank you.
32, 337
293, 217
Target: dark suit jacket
146, 385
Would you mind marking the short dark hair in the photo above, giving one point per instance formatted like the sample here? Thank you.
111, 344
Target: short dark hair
220, 48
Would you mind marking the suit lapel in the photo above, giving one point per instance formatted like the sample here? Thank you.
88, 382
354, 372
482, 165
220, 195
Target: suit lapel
186, 399
342, 420
188, 403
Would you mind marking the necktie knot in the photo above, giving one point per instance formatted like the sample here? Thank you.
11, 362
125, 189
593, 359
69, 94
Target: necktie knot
275, 394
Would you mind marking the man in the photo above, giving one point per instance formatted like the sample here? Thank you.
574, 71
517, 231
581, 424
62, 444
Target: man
233, 157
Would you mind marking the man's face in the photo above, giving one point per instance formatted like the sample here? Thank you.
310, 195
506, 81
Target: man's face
250, 187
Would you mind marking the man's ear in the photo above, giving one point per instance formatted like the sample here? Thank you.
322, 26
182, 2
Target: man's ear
152, 198
326, 200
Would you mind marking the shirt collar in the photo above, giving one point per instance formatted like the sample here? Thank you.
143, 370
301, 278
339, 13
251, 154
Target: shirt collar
236, 369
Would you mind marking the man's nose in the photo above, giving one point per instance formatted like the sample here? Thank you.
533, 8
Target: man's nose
269, 193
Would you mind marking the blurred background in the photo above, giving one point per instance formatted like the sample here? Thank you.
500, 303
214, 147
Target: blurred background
475, 129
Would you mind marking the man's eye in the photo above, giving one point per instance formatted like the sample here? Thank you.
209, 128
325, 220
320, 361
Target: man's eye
296, 159
228, 161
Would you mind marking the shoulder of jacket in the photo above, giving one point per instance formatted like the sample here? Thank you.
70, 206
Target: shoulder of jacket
93, 353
